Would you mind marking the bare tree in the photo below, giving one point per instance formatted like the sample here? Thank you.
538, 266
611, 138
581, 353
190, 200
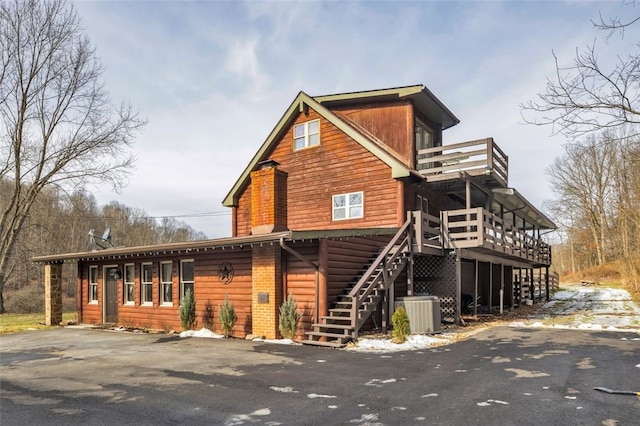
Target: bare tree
589, 97
583, 179
59, 127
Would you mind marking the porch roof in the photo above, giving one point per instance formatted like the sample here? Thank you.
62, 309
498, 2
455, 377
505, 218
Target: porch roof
206, 245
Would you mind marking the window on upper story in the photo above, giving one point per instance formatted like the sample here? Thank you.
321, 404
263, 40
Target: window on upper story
348, 206
424, 140
306, 134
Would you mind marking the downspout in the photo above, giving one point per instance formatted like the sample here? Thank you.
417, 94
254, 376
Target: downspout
316, 269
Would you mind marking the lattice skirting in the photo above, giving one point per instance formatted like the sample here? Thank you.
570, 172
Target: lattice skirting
436, 275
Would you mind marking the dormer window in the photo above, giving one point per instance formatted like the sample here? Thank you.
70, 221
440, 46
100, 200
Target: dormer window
306, 134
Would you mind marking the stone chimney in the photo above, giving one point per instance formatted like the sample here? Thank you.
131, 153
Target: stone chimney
268, 198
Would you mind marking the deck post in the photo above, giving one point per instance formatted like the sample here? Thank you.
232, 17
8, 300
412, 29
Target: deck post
490, 286
410, 237
520, 285
458, 317
475, 293
547, 282
501, 287
532, 286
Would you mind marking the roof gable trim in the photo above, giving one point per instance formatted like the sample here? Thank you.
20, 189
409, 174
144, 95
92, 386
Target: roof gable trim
398, 169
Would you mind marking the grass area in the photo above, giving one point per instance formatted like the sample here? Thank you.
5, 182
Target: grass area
15, 323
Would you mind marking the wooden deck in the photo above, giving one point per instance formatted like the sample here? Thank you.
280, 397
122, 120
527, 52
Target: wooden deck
481, 158
477, 228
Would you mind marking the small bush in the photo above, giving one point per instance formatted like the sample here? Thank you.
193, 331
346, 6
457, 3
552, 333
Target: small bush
400, 322
289, 318
227, 316
188, 311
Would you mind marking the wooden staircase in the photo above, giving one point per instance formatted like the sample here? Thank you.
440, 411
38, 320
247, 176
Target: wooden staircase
353, 309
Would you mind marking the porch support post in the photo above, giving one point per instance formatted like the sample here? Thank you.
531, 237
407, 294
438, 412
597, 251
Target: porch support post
520, 286
458, 317
532, 285
266, 294
547, 282
53, 293
501, 287
410, 238
490, 286
475, 293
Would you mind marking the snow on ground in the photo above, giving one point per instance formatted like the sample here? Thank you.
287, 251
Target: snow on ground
590, 308
573, 307
203, 332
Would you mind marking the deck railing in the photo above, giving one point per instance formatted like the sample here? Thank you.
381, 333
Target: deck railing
428, 234
477, 227
477, 157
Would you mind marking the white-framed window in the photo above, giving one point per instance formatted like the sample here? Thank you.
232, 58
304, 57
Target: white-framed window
146, 284
166, 283
93, 284
129, 284
306, 134
348, 206
187, 277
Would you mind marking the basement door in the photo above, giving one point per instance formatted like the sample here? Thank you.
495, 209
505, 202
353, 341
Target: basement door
111, 295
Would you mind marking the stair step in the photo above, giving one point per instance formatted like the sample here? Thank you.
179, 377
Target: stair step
319, 343
331, 335
340, 310
338, 326
334, 318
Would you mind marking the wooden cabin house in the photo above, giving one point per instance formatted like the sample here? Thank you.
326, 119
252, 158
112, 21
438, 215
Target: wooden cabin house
352, 201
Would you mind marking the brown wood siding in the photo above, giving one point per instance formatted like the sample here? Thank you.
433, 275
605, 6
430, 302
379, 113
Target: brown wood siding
243, 214
348, 260
207, 290
300, 282
390, 122
337, 166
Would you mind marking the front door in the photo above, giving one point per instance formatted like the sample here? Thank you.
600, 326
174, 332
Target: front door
111, 295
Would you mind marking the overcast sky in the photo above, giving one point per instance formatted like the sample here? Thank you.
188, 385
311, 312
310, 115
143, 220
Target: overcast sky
213, 78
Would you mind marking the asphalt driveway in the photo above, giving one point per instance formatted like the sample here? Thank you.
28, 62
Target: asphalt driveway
503, 375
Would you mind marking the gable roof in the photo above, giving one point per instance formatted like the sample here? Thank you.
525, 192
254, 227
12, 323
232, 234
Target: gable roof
421, 97
398, 168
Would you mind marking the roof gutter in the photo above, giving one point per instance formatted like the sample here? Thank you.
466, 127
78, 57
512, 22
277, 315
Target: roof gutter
316, 269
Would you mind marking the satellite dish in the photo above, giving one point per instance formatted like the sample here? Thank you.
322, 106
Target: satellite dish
100, 242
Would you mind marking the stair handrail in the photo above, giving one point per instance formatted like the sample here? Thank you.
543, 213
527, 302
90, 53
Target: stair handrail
382, 259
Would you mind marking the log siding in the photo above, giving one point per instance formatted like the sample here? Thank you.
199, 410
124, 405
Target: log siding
208, 292
338, 165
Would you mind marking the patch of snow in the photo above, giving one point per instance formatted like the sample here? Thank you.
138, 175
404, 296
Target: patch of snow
276, 341
315, 395
287, 389
413, 342
203, 332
